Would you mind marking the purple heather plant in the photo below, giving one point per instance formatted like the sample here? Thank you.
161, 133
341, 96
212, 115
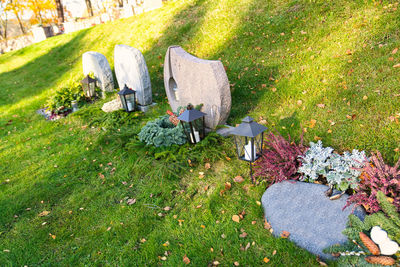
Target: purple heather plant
280, 159
375, 177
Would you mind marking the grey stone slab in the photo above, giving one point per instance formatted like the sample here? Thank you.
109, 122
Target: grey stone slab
313, 220
131, 69
98, 64
188, 79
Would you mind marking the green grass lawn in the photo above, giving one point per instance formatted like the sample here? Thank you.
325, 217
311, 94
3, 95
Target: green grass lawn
324, 66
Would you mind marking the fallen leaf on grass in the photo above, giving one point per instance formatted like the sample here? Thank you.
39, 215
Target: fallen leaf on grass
273, 253
238, 179
235, 218
266, 260
167, 208
397, 65
199, 206
243, 235
163, 258
312, 123
186, 260
207, 166
395, 50
285, 234
321, 105
109, 228
166, 244
131, 201
228, 186
52, 236
321, 262
215, 263
236, 263
267, 225
44, 213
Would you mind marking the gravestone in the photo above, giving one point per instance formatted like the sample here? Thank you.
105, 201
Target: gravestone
313, 220
131, 69
41, 33
98, 64
188, 79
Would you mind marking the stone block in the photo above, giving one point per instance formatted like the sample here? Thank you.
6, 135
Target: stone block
98, 64
313, 220
188, 79
131, 69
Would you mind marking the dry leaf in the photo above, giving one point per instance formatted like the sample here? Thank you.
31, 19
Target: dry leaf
238, 179
395, 50
243, 235
186, 260
163, 258
203, 226
236, 263
215, 263
349, 52
299, 102
397, 65
321, 105
266, 260
267, 225
143, 240
109, 228
285, 234
131, 201
199, 206
253, 222
312, 123
247, 246
273, 253
44, 213
167, 208
227, 186
365, 97
321, 262
235, 218
166, 244
207, 166
258, 203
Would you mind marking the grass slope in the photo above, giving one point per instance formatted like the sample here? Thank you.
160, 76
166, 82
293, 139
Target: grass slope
283, 58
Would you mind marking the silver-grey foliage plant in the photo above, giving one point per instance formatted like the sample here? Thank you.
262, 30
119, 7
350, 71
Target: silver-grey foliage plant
341, 171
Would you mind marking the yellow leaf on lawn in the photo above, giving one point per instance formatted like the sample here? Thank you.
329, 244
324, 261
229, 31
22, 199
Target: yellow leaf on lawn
266, 260
285, 234
186, 260
397, 65
312, 123
395, 50
235, 218
44, 213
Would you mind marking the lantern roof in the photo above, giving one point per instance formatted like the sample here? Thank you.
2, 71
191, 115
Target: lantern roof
88, 80
191, 114
126, 91
248, 128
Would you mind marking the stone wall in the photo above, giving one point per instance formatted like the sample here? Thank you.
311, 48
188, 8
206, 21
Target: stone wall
16, 43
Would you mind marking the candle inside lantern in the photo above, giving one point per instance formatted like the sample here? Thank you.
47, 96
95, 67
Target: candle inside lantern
196, 136
247, 152
130, 105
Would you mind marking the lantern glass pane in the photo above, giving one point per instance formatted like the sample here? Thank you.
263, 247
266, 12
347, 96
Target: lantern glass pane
123, 101
92, 89
258, 142
130, 102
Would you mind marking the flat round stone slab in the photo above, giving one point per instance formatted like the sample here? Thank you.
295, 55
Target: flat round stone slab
314, 221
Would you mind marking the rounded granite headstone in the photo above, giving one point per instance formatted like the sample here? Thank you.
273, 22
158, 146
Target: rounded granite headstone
98, 64
131, 69
188, 79
313, 220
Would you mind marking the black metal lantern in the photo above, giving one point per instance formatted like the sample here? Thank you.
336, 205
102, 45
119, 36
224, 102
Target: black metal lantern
249, 137
89, 86
193, 124
128, 99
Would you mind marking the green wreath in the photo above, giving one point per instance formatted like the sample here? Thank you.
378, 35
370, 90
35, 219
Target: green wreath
161, 132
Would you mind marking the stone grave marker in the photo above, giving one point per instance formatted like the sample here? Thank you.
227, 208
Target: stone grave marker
98, 64
131, 69
313, 220
188, 79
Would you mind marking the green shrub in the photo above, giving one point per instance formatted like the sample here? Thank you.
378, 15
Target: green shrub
161, 132
61, 100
